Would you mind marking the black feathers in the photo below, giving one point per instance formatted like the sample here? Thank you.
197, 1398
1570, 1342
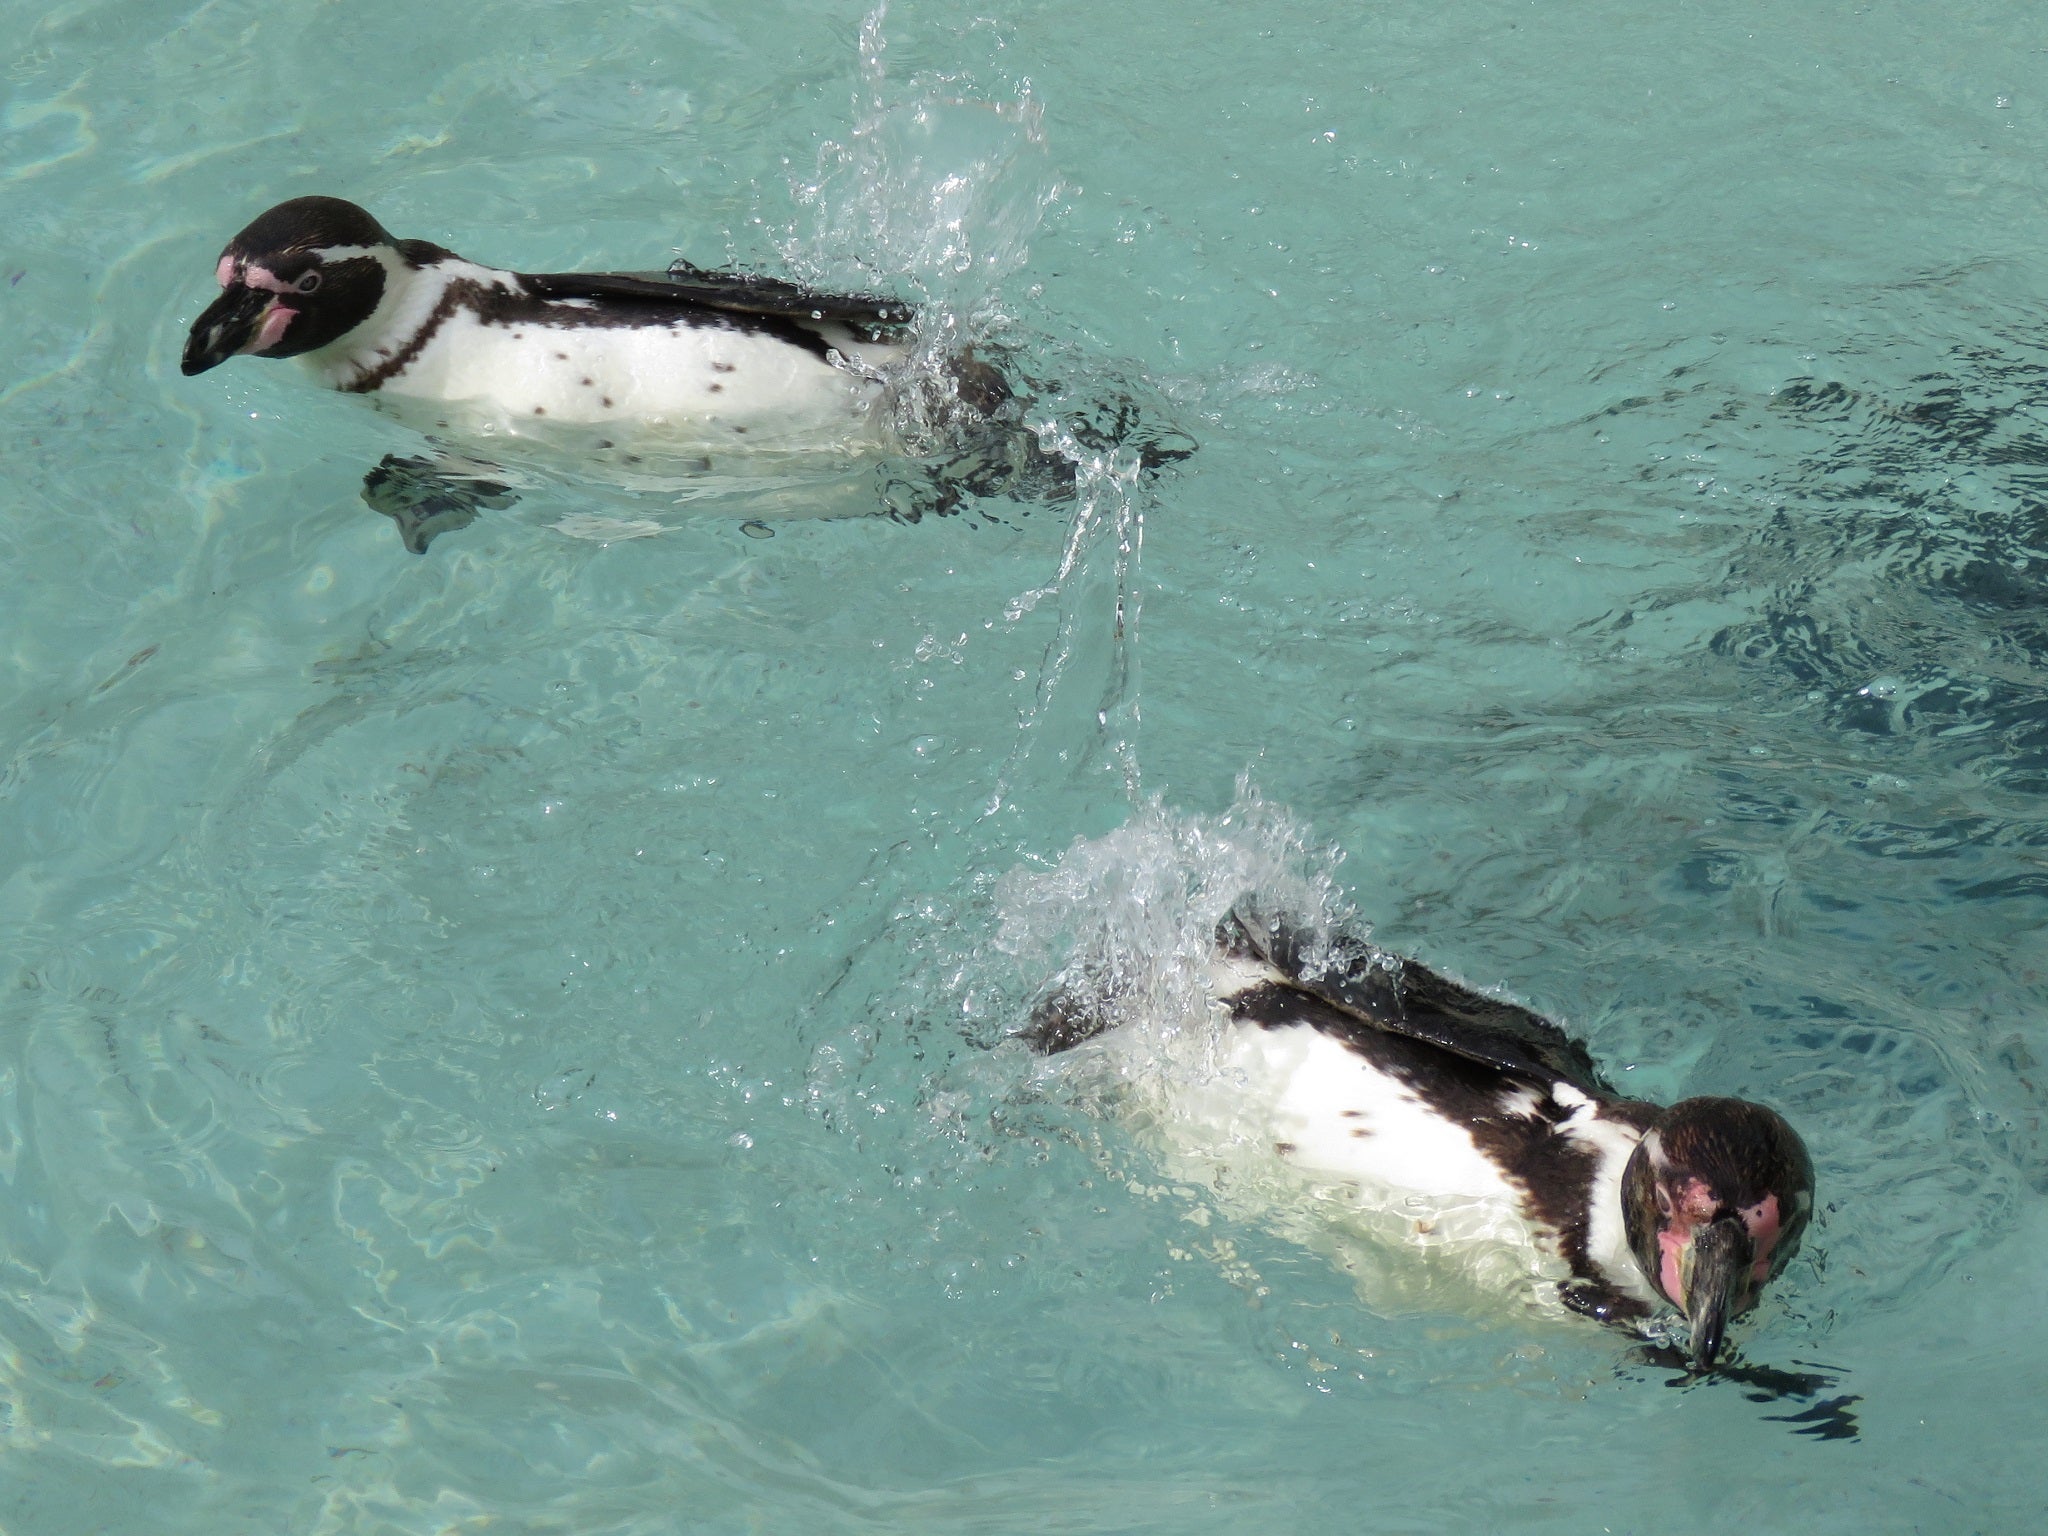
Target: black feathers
1400, 997
307, 224
763, 305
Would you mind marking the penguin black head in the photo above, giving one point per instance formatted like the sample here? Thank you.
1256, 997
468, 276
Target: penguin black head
1715, 1198
306, 273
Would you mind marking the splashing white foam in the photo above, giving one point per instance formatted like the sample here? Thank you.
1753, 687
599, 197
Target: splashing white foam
1127, 921
940, 186
1097, 586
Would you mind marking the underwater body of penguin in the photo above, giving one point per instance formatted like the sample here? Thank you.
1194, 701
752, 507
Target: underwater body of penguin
682, 363
1474, 1126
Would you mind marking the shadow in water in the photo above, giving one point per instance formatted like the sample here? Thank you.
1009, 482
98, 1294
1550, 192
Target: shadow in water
1825, 1418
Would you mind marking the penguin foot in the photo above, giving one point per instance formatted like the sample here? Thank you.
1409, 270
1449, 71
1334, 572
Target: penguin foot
426, 499
988, 448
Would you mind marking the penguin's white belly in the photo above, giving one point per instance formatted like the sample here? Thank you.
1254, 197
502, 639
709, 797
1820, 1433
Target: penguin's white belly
688, 384
1331, 1114
1295, 1131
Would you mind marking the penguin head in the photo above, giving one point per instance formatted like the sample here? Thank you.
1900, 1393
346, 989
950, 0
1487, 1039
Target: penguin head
1715, 1199
304, 274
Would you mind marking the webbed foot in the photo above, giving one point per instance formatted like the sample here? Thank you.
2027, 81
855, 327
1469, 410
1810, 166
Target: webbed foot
427, 499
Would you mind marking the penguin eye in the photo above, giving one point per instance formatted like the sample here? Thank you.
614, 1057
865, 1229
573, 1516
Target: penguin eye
307, 282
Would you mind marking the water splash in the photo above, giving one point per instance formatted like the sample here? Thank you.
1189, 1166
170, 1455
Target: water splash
1126, 922
941, 185
1097, 588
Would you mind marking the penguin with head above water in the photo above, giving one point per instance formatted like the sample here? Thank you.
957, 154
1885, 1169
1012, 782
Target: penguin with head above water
685, 360
701, 355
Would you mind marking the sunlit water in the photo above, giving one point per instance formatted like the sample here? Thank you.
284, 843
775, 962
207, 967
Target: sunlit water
513, 1039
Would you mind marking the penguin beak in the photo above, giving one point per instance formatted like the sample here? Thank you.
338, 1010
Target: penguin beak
242, 319
1715, 1269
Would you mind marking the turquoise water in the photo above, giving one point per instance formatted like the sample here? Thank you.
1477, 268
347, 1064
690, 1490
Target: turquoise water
509, 1039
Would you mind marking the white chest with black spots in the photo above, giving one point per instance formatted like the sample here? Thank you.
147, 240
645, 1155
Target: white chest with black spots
468, 342
706, 381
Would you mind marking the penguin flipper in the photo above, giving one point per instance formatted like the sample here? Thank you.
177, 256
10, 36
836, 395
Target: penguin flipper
736, 293
1604, 1302
754, 293
1063, 1019
1403, 997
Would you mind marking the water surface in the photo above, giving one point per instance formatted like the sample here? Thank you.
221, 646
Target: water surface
510, 1038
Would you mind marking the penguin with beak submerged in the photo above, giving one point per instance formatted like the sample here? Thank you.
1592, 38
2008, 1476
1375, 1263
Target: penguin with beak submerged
1366, 1070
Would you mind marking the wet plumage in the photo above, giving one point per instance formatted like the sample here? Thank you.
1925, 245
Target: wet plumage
1477, 1120
689, 355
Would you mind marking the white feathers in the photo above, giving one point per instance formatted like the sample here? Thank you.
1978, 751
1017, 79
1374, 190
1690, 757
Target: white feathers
492, 372
1333, 1115
1526, 1103
1612, 1143
1272, 1119
1293, 1127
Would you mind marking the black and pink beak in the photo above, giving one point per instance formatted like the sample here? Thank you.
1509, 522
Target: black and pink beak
1719, 1283
249, 316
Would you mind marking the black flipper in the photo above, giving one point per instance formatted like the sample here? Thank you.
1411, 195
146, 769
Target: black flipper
1603, 1301
752, 293
1402, 997
1062, 1020
743, 294
427, 500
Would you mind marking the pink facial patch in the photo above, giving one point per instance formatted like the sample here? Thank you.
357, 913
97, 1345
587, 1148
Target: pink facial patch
1696, 1203
271, 332
225, 272
1691, 1204
1669, 1244
267, 280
